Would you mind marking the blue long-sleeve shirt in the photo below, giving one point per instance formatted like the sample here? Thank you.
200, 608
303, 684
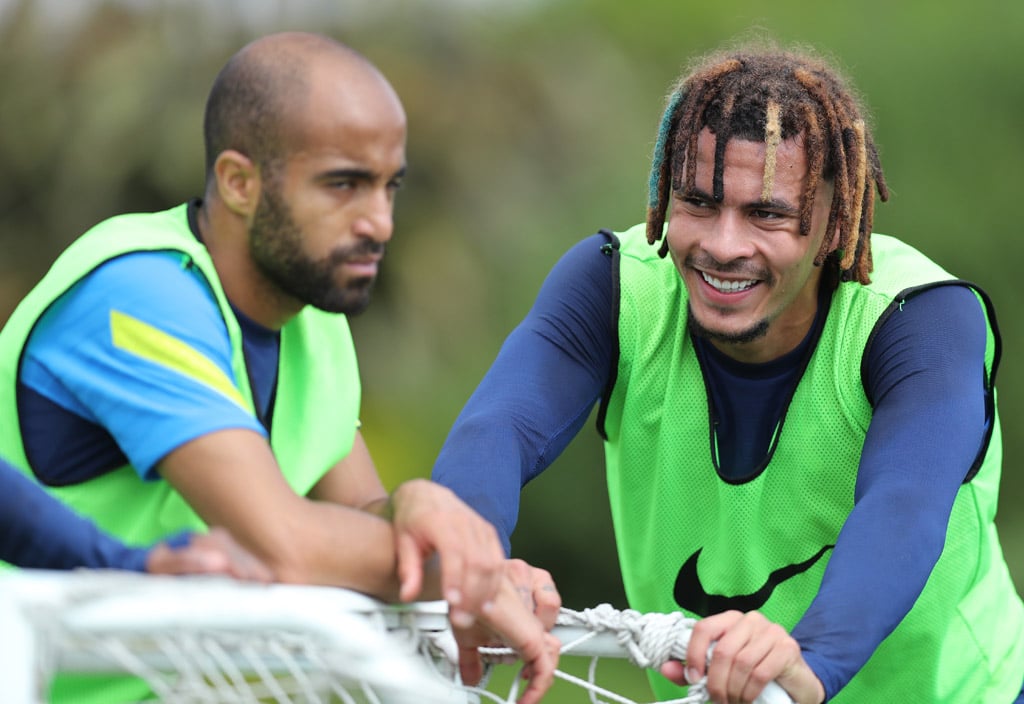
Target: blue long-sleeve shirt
924, 375
38, 531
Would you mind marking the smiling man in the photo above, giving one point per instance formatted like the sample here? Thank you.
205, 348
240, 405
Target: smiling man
194, 366
799, 415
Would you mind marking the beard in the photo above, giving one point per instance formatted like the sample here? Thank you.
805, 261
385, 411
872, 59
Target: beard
697, 329
276, 247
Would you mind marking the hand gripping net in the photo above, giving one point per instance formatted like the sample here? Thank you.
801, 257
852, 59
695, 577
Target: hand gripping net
193, 640
646, 640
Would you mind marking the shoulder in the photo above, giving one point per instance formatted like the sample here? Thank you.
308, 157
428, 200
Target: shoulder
584, 264
935, 339
153, 275
936, 311
135, 293
588, 253
158, 287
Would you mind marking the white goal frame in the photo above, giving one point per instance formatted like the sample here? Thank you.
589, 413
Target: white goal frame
200, 639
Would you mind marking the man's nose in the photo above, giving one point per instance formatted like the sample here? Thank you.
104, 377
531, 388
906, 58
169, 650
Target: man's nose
376, 218
728, 239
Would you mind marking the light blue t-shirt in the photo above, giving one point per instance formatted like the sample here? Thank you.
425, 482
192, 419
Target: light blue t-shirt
111, 403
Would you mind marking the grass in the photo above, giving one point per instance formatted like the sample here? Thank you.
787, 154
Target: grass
616, 675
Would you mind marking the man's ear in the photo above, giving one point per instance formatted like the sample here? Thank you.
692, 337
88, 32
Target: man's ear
238, 182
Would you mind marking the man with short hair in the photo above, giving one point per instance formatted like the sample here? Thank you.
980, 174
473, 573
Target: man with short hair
194, 366
798, 415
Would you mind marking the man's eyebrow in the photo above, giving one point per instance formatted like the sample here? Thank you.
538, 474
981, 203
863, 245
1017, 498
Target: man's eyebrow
781, 206
355, 174
694, 193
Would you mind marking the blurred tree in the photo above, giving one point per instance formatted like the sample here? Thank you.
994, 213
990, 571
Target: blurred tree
531, 126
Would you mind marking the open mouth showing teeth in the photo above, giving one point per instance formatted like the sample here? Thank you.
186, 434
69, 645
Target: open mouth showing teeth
728, 286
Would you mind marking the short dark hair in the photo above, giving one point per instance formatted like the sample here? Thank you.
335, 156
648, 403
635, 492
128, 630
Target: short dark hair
247, 107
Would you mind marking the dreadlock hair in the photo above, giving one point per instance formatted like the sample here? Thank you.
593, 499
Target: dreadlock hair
770, 95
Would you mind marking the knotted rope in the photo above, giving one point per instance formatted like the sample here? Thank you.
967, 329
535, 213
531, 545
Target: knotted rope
649, 640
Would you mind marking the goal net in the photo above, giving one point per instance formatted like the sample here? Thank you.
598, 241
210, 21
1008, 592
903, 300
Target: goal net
193, 640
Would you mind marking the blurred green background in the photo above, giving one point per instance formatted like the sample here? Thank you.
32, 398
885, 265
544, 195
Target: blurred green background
531, 126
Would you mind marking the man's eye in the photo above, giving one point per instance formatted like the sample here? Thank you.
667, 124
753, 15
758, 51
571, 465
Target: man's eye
765, 214
695, 202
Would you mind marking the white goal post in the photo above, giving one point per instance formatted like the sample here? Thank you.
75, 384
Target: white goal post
211, 639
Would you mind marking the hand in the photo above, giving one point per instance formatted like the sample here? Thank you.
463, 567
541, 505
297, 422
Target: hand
536, 589
750, 651
509, 622
427, 519
215, 552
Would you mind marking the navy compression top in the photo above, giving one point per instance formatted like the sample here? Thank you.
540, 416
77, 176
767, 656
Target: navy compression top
925, 376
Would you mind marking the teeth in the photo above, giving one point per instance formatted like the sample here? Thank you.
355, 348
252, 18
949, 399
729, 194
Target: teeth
728, 286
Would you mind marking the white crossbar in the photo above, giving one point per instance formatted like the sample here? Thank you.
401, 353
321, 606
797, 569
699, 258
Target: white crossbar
199, 639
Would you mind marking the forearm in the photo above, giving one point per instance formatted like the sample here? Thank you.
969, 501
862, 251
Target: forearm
231, 479
882, 560
482, 461
383, 579
927, 428
38, 531
340, 546
538, 393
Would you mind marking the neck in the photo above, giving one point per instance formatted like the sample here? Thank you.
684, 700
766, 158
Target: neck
226, 237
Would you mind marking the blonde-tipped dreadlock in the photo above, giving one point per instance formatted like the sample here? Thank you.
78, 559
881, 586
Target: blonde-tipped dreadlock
772, 95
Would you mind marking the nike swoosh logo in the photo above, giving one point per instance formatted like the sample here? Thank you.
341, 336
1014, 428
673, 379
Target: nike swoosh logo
690, 594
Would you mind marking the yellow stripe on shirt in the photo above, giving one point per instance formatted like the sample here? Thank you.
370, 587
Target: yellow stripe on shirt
150, 343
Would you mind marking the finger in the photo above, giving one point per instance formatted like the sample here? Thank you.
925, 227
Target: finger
744, 664
773, 654
470, 553
737, 649
475, 568
471, 667
537, 590
523, 633
547, 600
480, 566
705, 632
540, 670
190, 559
157, 559
673, 670
696, 651
409, 568
204, 553
518, 574
452, 589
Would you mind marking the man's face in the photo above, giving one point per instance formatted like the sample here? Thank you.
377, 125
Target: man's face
318, 233
748, 270
277, 245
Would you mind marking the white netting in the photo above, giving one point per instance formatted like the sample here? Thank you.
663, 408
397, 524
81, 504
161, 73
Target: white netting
646, 640
200, 639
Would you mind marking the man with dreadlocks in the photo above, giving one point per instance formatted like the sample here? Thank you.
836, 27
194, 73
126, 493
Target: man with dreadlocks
799, 416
